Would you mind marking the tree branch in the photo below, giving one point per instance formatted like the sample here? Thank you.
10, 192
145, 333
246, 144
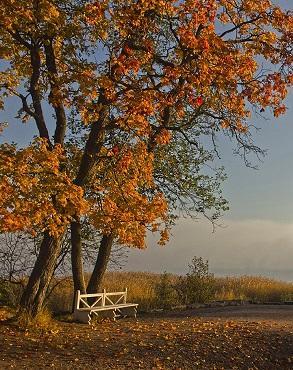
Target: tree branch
94, 143
34, 90
240, 25
54, 94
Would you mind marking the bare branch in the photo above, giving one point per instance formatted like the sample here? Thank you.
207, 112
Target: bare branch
237, 26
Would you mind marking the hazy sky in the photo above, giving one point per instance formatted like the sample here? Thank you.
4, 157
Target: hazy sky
257, 237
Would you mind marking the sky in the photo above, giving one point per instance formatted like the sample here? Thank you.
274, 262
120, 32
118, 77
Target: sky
256, 234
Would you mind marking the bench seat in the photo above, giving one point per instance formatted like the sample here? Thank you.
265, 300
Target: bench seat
109, 307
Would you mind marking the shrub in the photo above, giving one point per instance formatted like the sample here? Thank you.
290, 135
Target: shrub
199, 284
43, 321
166, 295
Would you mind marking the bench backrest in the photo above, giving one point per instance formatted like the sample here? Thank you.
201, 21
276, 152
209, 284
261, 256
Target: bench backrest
101, 299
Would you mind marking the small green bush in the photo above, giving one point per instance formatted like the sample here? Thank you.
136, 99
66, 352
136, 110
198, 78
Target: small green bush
198, 286
166, 295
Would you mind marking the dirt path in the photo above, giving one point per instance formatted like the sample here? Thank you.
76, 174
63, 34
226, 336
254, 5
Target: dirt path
219, 339
277, 314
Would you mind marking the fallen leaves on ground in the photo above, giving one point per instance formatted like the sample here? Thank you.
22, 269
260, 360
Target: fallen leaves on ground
151, 343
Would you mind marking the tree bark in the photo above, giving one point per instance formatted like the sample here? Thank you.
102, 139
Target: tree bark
103, 257
76, 260
76, 257
33, 297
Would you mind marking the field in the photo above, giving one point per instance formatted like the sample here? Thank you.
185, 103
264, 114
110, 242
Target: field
142, 289
244, 337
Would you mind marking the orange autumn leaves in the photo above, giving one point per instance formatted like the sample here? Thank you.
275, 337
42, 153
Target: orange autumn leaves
38, 195
35, 194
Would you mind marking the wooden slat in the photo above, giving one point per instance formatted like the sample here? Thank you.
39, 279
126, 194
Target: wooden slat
109, 307
91, 295
77, 299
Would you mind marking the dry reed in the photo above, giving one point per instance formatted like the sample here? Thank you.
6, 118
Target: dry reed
141, 289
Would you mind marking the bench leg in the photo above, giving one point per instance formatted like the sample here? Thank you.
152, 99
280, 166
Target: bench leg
82, 316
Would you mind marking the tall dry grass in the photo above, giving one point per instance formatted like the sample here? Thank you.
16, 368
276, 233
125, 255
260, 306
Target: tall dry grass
142, 289
255, 288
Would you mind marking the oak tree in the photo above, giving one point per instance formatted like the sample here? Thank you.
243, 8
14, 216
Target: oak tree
142, 77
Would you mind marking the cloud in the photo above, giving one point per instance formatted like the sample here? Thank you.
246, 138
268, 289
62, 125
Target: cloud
240, 247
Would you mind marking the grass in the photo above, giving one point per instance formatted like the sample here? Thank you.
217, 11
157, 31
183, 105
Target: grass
255, 288
142, 289
42, 322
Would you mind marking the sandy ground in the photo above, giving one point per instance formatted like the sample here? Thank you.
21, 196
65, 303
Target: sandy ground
277, 314
243, 337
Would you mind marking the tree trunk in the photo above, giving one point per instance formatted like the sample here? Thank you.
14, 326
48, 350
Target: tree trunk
33, 297
76, 257
95, 282
76, 260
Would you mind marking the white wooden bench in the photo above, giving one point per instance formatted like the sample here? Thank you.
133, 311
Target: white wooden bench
104, 304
